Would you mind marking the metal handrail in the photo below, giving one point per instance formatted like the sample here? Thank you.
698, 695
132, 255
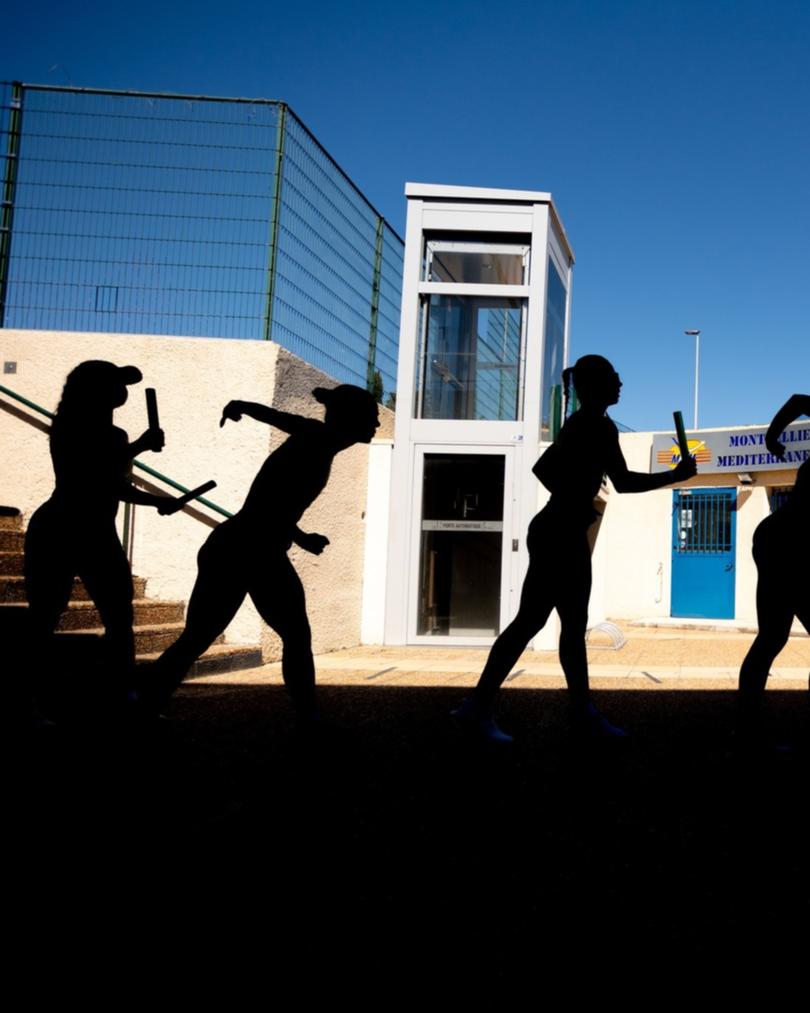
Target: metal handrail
143, 467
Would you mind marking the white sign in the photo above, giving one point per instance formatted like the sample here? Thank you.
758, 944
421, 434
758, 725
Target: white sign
734, 450
462, 525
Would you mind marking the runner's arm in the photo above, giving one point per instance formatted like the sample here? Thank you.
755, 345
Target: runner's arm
798, 404
625, 480
285, 421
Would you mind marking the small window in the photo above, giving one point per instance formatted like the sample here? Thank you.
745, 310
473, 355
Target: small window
467, 263
779, 496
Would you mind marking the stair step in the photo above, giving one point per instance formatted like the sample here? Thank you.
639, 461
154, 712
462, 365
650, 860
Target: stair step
11, 541
11, 563
12, 589
10, 521
83, 615
157, 623
220, 658
80, 593
148, 639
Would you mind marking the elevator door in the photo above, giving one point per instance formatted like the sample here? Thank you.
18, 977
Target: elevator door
461, 558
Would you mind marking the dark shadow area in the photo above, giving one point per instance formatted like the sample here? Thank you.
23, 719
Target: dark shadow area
390, 846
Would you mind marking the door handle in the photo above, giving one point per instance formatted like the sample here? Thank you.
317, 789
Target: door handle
729, 567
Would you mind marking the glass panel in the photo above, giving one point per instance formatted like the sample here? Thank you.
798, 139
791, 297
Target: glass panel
476, 264
553, 351
461, 545
470, 361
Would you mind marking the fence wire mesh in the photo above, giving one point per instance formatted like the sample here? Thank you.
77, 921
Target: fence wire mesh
191, 216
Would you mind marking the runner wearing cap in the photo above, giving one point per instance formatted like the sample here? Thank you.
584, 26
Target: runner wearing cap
247, 554
73, 534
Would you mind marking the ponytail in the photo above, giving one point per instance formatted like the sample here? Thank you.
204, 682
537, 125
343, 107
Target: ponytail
566, 378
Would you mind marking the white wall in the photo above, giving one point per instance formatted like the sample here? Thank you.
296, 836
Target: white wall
194, 379
632, 565
372, 629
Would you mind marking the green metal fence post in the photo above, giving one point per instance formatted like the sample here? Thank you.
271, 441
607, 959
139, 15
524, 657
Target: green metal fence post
375, 304
275, 215
12, 158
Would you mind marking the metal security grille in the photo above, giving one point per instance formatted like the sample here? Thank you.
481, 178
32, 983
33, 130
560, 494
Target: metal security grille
703, 522
779, 495
195, 216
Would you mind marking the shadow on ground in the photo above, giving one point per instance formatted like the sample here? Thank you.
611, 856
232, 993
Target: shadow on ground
390, 847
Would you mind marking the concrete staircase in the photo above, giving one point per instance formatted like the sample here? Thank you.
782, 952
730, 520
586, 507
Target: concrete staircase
157, 623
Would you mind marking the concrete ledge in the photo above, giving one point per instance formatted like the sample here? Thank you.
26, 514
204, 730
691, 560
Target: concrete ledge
717, 625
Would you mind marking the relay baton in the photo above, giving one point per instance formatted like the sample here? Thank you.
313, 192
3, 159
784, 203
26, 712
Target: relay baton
195, 493
151, 408
683, 443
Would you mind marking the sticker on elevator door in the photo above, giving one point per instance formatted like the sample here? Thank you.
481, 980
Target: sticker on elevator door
462, 525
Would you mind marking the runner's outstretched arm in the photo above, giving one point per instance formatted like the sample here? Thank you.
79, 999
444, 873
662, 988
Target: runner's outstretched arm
286, 421
798, 404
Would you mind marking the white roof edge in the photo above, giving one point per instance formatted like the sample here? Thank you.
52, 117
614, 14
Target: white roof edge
701, 429
474, 192
441, 191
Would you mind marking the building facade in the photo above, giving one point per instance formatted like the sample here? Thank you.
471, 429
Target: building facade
685, 553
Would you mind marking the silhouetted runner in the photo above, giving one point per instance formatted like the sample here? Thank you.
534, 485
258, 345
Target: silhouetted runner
782, 556
247, 554
73, 534
559, 574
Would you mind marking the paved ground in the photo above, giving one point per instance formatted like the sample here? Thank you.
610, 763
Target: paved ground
388, 853
650, 658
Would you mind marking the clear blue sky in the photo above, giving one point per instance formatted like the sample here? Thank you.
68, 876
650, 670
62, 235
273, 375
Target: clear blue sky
674, 137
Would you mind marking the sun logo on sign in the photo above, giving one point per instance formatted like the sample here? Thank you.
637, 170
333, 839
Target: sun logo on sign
672, 455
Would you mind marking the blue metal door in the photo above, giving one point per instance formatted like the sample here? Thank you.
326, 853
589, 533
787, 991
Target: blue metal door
703, 551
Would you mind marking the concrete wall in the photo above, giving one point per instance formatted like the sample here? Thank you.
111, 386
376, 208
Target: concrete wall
633, 545
194, 378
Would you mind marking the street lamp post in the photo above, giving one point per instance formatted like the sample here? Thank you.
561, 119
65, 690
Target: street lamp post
696, 336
